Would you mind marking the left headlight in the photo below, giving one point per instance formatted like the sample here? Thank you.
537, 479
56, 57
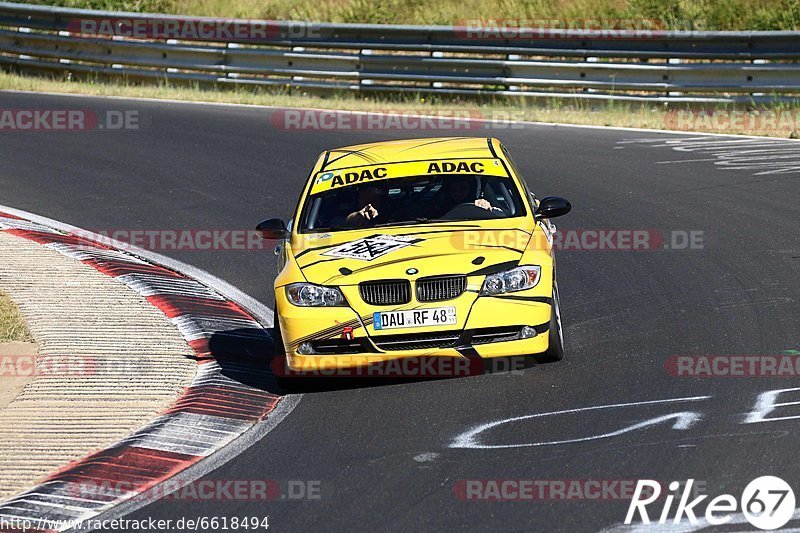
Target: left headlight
516, 279
310, 295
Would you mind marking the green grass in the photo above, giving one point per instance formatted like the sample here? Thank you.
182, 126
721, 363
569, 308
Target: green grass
674, 14
12, 325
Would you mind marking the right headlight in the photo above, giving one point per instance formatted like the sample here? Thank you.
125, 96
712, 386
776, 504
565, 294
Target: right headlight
516, 279
310, 295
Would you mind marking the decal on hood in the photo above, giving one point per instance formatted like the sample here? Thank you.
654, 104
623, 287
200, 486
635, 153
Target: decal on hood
369, 248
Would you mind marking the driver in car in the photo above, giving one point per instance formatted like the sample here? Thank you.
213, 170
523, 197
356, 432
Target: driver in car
460, 190
370, 199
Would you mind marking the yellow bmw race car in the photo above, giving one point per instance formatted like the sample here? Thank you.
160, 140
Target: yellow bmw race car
416, 248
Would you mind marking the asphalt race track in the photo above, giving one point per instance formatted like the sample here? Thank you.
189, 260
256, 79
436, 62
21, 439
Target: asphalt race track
384, 454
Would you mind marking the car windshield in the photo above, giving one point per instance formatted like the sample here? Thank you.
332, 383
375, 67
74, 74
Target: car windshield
420, 199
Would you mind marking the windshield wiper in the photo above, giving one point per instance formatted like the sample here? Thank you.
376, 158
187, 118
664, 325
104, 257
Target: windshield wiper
321, 230
423, 220
402, 223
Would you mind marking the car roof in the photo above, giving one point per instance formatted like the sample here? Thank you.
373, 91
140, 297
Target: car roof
409, 150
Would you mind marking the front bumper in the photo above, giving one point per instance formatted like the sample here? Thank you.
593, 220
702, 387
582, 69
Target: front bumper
343, 339
318, 364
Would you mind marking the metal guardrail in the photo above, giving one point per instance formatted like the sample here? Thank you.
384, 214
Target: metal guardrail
630, 65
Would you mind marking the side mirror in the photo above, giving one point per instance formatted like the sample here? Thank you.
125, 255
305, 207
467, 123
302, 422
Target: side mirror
273, 229
551, 207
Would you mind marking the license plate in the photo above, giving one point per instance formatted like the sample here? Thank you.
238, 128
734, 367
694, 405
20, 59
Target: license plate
413, 318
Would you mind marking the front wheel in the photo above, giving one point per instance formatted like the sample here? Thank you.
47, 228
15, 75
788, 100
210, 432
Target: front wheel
279, 364
555, 350
277, 338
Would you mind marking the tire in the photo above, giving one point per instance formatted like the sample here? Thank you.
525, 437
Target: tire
287, 384
278, 352
277, 339
555, 349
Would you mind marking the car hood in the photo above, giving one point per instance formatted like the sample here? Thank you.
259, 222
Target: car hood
350, 257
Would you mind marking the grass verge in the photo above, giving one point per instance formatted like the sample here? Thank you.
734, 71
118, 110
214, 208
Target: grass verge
12, 325
721, 119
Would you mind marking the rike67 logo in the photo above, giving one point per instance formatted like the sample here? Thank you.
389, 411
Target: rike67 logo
767, 503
